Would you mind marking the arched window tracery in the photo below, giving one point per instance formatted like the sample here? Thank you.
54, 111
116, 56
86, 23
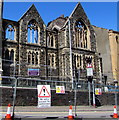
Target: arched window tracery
33, 57
10, 32
51, 40
32, 32
80, 35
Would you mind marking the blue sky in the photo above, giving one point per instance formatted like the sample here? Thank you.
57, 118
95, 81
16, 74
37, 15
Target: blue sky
101, 14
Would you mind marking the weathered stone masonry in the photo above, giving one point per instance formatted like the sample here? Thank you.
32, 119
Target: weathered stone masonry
47, 48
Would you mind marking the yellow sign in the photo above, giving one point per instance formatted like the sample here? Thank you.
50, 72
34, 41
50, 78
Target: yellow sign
98, 91
60, 89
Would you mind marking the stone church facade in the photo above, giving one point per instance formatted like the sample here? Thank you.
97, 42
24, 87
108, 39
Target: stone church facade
56, 52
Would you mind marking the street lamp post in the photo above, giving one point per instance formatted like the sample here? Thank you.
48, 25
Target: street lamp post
75, 96
90, 80
70, 50
77, 75
15, 89
14, 97
93, 93
89, 91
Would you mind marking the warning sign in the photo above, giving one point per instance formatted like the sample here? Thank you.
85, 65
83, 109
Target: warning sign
89, 70
44, 92
60, 89
98, 91
44, 96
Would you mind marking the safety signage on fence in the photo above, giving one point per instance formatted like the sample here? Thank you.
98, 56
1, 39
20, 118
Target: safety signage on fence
60, 89
44, 96
98, 91
89, 70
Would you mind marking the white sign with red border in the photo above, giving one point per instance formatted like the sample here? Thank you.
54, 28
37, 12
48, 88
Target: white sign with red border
44, 96
89, 70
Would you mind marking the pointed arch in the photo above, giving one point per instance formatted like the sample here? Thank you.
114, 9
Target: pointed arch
33, 58
12, 55
7, 54
32, 33
81, 35
36, 58
29, 57
10, 32
51, 40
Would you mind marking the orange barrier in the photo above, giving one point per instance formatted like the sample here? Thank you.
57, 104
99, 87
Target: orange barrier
8, 115
70, 116
115, 115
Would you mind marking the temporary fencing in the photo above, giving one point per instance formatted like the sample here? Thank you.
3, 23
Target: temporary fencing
26, 92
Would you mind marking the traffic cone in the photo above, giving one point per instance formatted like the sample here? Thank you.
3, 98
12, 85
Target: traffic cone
8, 115
70, 116
115, 115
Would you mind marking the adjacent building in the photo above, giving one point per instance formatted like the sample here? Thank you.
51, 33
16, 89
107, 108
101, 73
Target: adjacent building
107, 47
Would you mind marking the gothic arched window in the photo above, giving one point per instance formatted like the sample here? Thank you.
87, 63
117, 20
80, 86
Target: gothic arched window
10, 32
29, 57
36, 59
78, 62
33, 58
32, 32
80, 35
7, 54
51, 40
52, 60
12, 55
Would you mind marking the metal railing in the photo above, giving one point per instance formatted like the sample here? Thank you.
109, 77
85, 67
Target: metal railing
33, 82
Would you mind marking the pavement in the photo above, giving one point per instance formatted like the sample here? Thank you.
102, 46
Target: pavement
59, 108
33, 112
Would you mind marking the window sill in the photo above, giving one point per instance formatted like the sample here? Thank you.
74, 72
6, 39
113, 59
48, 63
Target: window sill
10, 40
34, 66
33, 44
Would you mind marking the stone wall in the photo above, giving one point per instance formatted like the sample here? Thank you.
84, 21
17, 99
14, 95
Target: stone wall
28, 97
104, 50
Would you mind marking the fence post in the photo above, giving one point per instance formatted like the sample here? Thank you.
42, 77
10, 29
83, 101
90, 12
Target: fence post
14, 97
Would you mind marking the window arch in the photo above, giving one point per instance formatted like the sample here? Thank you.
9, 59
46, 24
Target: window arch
12, 55
32, 33
29, 57
33, 58
49, 61
78, 61
7, 54
51, 40
36, 59
10, 32
81, 35
52, 60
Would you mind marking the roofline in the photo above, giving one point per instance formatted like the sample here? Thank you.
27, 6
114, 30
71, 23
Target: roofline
110, 30
9, 20
71, 14
37, 12
114, 31
26, 12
